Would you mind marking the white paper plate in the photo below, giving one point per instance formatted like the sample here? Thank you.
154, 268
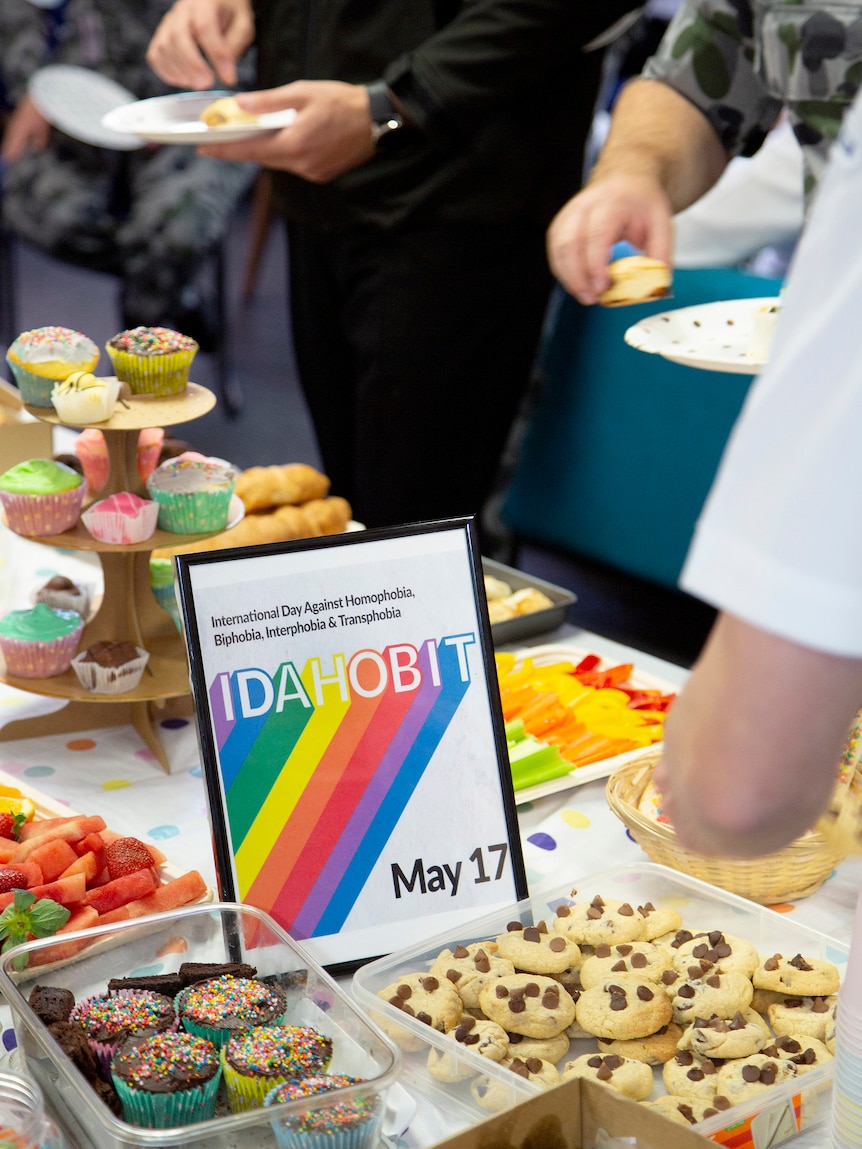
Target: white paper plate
174, 120
559, 652
76, 100
712, 336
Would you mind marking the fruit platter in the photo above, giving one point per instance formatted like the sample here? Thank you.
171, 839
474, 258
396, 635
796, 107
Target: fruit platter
62, 872
572, 717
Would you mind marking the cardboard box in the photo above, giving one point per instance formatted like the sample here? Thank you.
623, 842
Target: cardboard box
24, 440
571, 1116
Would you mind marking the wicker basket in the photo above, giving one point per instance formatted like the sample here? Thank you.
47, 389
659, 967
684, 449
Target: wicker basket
796, 871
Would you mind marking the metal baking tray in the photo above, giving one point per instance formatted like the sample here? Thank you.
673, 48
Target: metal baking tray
537, 621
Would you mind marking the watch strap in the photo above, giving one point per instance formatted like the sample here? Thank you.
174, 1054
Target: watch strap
385, 117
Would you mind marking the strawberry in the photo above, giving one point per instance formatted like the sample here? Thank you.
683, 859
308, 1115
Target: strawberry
10, 825
126, 855
11, 880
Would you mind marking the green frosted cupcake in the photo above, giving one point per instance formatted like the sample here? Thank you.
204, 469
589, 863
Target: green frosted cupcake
41, 642
167, 1080
256, 1060
41, 497
222, 1007
344, 1122
193, 494
162, 586
152, 360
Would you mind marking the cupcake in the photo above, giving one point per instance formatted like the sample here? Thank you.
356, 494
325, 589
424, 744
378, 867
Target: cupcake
122, 518
61, 593
39, 358
110, 667
149, 451
92, 453
350, 1123
152, 360
82, 398
257, 1059
109, 1020
162, 586
41, 497
223, 1006
193, 494
168, 1080
40, 642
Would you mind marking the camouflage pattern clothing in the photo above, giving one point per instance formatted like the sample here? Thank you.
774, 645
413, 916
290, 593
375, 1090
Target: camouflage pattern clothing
742, 61
150, 216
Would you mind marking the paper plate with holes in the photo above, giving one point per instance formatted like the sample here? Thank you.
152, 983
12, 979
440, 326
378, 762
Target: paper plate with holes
712, 336
175, 120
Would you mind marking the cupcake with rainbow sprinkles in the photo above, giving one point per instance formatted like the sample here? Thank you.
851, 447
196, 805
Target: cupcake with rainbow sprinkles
256, 1060
152, 360
351, 1121
167, 1080
47, 355
223, 1006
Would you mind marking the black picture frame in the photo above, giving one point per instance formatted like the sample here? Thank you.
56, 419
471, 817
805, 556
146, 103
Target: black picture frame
317, 809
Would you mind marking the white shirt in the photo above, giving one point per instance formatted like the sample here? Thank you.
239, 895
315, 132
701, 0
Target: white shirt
779, 542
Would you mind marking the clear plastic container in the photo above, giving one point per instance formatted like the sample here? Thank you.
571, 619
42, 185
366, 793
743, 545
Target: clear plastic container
23, 1122
217, 932
703, 908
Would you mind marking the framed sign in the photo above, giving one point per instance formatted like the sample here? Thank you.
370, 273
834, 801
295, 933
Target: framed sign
351, 735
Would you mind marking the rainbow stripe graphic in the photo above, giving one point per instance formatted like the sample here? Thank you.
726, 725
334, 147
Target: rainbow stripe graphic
314, 793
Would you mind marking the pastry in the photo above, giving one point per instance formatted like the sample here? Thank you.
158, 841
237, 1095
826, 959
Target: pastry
531, 1004
226, 112
263, 487
41, 357
221, 1007
122, 518
168, 1080
193, 972
162, 586
546, 1048
40, 642
61, 593
535, 949
797, 975
83, 398
193, 496
534, 1070
152, 360
351, 1123
41, 497
149, 451
658, 921
623, 1007
257, 1059
110, 667
636, 279
631, 1078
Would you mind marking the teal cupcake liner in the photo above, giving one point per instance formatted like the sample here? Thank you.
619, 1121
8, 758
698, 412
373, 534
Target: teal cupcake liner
167, 600
35, 389
335, 1126
153, 374
195, 512
168, 1110
358, 1137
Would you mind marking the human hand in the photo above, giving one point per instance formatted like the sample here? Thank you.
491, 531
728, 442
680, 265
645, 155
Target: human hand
611, 208
330, 135
25, 128
199, 41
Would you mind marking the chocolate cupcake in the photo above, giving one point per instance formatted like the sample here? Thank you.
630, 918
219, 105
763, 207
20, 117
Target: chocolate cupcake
111, 1019
110, 667
167, 1080
256, 1060
221, 1007
351, 1122
60, 593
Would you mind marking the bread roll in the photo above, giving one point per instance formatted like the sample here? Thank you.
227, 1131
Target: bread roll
261, 487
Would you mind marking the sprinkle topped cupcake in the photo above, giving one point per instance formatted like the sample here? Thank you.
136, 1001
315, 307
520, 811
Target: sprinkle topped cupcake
193, 494
346, 1124
109, 1020
168, 1080
39, 643
152, 360
219, 1008
41, 497
257, 1059
41, 357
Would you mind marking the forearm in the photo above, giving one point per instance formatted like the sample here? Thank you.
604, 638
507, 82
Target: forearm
657, 135
752, 744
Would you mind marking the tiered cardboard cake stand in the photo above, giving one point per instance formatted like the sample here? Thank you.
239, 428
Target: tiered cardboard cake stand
128, 610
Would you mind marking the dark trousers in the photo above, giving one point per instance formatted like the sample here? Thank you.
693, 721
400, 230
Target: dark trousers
414, 350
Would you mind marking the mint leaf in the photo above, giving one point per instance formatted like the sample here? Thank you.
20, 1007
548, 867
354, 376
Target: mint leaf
26, 917
46, 917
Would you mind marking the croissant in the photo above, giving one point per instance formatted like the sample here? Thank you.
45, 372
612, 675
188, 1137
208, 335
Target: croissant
260, 487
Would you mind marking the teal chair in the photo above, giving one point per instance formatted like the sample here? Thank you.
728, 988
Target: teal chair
622, 446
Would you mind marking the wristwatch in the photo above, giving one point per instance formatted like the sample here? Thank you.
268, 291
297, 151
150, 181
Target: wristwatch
385, 117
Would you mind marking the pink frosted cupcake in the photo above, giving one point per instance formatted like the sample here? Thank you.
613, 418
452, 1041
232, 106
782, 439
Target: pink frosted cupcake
152, 360
42, 497
122, 518
92, 452
40, 642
